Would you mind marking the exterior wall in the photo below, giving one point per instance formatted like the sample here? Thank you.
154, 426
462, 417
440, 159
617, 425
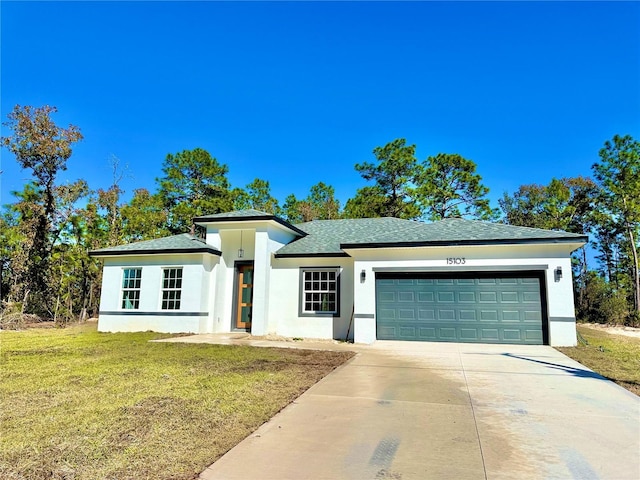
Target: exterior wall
225, 276
193, 315
258, 241
284, 305
558, 291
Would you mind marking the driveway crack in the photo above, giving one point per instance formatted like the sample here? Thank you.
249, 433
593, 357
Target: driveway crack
475, 420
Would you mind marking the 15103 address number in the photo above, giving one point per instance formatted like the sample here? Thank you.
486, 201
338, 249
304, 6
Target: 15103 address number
456, 261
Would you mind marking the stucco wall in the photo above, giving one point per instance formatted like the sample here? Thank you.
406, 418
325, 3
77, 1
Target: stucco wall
258, 241
193, 315
559, 292
284, 305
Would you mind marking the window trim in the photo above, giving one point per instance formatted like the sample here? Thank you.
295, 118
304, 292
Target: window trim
301, 290
124, 289
174, 289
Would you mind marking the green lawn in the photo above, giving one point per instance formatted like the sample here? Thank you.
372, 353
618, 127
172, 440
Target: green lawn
75, 403
616, 357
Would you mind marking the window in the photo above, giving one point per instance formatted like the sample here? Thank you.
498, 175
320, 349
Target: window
320, 290
131, 278
171, 288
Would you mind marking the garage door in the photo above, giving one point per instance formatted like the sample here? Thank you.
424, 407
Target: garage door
496, 308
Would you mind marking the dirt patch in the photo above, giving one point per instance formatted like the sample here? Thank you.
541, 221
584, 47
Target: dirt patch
614, 329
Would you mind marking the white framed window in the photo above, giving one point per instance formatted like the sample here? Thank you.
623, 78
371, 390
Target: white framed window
131, 282
319, 291
171, 288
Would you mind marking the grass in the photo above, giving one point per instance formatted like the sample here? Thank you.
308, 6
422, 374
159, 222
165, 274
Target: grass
616, 357
78, 404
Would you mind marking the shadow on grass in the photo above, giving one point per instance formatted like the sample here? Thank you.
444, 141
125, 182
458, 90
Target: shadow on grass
576, 372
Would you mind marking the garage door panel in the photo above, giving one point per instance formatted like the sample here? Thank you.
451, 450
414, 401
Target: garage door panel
445, 297
426, 315
467, 315
386, 297
426, 297
386, 314
406, 297
511, 316
512, 335
406, 314
407, 332
533, 336
532, 316
488, 315
508, 297
467, 297
487, 297
468, 334
489, 334
447, 334
428, 333
446, 314
502, 309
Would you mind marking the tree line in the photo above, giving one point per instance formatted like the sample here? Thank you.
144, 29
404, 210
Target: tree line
50, 227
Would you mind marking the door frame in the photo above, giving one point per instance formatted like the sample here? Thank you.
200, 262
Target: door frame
234, 311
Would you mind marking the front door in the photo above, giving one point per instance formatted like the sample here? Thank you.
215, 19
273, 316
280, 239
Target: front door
245, 297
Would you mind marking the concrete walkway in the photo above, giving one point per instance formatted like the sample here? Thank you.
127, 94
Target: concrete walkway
408, 410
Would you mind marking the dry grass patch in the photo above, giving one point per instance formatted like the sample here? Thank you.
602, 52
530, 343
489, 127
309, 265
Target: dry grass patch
78, 404
616, 357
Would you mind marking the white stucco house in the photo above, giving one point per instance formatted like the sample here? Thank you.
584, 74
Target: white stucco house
358, 279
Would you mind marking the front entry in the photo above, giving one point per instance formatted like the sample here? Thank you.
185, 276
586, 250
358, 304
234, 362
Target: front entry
244, 296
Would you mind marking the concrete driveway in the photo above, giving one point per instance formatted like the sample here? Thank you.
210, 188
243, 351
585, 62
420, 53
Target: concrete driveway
406, 410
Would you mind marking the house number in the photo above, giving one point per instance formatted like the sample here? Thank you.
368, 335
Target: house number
456, 261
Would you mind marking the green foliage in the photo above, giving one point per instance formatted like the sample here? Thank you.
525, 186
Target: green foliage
194, 184
566, 204
601, 303
290, 209
38, 143
144, 217
44, 148
618, 174
320, 204
371, 202
393, 174
448, 186
256, 196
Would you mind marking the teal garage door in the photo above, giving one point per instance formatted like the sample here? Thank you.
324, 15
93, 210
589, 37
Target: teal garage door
496, 308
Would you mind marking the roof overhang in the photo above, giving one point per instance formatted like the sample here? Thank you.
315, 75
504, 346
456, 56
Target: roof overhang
256, 218
137, 253
312, 255
577, 242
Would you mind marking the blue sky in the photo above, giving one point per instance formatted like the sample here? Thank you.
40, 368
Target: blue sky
298, 92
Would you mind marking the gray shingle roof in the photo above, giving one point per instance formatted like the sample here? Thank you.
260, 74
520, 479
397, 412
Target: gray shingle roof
183, 243
236, 214
331, 237
246, 216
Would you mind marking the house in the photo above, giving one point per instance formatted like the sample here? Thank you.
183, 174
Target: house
362, 279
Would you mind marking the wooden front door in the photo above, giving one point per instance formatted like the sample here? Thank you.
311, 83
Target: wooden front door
244, 302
